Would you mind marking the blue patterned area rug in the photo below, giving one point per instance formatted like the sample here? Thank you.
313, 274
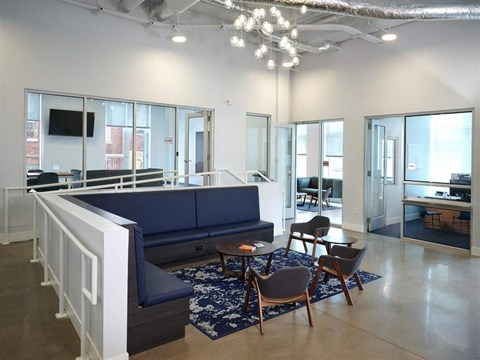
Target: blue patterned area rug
217, 301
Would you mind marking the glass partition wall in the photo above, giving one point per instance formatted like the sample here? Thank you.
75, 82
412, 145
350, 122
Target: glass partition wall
120, 135
437, 184
319, 166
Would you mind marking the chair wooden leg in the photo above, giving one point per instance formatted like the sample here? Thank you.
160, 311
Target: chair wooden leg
305, 246
309, 309
260, 311
344, 284
358, 281
288, 245
311, 291
314, 248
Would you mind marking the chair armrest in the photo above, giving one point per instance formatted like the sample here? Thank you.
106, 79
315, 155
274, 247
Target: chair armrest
300, 227
322, 231
344, 252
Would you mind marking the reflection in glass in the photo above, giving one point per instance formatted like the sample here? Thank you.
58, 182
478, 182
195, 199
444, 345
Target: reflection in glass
437, 225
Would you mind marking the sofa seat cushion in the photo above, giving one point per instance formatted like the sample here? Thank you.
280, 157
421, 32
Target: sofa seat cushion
162, 286
173, 237
222, 230
310, 191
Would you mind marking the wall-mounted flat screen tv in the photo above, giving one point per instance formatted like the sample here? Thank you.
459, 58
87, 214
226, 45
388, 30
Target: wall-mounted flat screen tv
69, 123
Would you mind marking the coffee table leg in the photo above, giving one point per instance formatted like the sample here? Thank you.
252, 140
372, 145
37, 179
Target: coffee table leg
242, 275
269, 263
327, 247
222, 262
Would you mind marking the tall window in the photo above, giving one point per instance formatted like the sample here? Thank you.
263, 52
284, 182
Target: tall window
257, 144
33, 131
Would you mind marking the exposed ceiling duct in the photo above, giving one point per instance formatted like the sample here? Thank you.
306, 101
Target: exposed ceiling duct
129, 5
388, 9
161, 10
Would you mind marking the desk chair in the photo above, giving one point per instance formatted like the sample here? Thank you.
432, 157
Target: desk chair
463, 219
430, 218
48, 178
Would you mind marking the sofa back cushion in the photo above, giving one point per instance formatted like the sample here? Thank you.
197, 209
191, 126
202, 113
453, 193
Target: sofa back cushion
154, 211
228, 205
303, 183
140, 264
313, 182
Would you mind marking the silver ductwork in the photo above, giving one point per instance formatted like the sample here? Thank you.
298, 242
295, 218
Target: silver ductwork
129, 5
161, 10
388, 9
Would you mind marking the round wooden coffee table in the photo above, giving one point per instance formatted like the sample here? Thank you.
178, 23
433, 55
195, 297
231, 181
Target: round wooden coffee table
337, 239
232, 248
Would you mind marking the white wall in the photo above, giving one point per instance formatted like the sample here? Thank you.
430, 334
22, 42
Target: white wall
431, 66
53, 46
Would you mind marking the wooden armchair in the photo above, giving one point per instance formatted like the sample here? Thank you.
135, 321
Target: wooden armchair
286, 285
342, 263
311, 232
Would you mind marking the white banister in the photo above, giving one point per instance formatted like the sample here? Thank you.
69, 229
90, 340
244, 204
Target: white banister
90, 295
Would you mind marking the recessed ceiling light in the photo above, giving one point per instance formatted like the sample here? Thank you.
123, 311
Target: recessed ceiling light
287, 64
179, 38
389, 37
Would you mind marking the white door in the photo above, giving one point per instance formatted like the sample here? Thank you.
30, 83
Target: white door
196, 155
284, 163
376, 175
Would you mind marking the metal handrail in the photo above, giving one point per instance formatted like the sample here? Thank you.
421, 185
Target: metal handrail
90, 295
256, 172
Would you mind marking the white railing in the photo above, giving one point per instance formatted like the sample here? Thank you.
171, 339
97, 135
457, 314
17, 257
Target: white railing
256, 173
169, 181
69, 184
87, 295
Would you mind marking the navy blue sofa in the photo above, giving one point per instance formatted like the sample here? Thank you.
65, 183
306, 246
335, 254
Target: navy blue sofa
182, 224
173, 226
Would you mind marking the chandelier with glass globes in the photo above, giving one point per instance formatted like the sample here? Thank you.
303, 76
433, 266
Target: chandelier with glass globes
266, 22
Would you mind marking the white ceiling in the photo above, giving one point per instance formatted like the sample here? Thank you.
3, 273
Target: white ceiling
324, 27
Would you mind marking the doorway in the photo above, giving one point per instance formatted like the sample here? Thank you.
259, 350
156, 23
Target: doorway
319, 166
194, 147
383, 190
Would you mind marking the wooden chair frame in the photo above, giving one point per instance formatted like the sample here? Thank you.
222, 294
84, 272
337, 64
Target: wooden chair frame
264, 301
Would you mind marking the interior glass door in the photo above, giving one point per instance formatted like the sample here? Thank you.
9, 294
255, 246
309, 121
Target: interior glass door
284, 141
196, 148
376, 175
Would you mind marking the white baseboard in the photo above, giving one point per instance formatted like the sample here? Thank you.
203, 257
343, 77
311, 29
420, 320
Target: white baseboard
394, 220
475, 251
16, 237
353, 227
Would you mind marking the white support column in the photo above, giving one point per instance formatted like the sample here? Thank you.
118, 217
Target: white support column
61, 280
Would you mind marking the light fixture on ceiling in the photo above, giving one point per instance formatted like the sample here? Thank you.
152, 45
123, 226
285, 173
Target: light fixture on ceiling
389, 36
177, 36
271, 25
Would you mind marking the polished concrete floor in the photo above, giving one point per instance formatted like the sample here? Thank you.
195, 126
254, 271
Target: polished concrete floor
426, 306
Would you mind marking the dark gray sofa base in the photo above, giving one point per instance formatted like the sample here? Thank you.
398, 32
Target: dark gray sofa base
151, 326
185, 252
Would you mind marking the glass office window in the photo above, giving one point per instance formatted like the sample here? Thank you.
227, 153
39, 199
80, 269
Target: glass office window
156, 136
257, 145
438, 147
119, 124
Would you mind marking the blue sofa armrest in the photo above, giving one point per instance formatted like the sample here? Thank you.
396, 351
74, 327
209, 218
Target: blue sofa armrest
155, 285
